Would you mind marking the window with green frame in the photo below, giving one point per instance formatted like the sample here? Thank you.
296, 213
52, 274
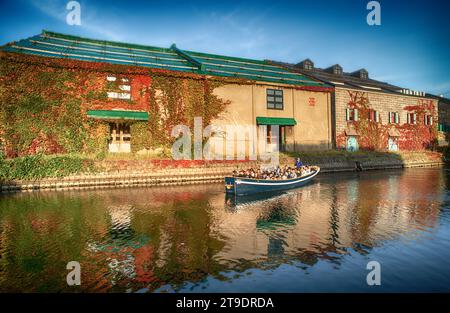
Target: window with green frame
275, 99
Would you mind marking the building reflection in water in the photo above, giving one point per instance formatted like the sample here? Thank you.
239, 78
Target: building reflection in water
125, 251
324, 220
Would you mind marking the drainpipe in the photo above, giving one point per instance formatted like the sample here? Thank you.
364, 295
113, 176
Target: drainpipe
255, 137
293, 115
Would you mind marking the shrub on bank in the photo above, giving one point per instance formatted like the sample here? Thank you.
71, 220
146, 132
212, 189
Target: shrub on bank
39, 166
4, 168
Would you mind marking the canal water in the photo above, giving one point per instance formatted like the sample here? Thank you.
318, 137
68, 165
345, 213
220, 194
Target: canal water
194, 239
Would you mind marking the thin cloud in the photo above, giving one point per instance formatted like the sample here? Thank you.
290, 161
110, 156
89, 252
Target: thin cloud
441, 89
237, 32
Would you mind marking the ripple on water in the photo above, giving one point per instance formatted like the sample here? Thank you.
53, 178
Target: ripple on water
194, 238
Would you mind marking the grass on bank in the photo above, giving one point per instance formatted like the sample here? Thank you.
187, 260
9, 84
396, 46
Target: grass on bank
41, 166
341, 155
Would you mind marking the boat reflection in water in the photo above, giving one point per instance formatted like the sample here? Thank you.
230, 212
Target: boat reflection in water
193, 238
234, 202
335, 219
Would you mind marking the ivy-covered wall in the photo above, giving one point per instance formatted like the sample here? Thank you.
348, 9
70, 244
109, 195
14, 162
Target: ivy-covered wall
176, 101
43, 104
374, 135
42, 109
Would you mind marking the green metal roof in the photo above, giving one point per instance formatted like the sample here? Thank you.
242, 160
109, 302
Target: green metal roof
283, 121
51, 44
118, 115
250, 69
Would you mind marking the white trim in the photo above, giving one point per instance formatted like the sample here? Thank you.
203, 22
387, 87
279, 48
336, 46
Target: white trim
337, 83
369, 87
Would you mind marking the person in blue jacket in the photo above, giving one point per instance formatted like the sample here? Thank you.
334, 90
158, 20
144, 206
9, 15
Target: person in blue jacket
298, 163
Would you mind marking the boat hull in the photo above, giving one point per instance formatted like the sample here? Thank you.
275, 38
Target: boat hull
246, 186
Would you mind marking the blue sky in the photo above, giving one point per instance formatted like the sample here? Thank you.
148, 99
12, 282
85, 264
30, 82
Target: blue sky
411, 48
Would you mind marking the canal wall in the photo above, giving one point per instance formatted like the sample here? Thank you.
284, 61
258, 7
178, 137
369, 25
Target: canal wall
120, 173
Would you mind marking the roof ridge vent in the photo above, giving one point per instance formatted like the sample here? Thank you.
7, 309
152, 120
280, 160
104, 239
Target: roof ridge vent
188, 57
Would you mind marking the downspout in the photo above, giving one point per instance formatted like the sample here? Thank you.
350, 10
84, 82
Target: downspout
333, 118
255, 136
293, 115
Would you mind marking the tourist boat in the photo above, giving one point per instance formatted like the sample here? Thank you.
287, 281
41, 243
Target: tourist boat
245, 186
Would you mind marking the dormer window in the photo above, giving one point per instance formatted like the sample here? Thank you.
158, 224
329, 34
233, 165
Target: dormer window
337, 70
363, 75
306, 65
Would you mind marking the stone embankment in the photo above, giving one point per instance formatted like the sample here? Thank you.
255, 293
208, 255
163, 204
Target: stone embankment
126, 173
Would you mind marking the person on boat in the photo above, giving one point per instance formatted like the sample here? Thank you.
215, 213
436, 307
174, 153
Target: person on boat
278, 173
298, 163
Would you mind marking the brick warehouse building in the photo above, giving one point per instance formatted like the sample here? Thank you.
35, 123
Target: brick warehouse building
374, 115
63, 93
443, 119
